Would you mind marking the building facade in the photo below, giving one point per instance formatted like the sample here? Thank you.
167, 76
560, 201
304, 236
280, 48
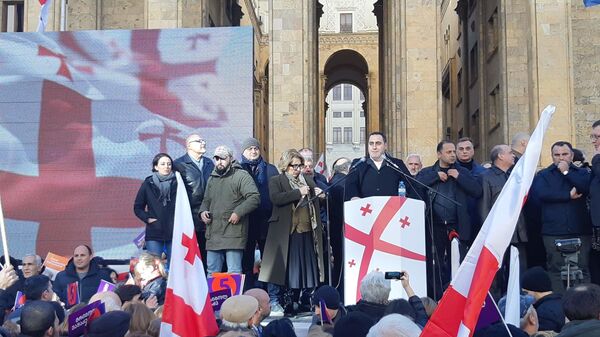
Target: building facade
428, 70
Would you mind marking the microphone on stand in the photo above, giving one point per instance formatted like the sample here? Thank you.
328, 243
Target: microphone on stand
387, 160
360, 161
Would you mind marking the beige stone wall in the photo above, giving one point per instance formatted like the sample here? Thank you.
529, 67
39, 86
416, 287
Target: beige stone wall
585, 42
413, 121
293, 73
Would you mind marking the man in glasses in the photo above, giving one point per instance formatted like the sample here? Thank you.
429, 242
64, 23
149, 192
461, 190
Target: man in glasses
195, 170
230, 196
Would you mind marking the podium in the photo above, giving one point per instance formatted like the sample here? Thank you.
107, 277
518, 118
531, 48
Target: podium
384, 234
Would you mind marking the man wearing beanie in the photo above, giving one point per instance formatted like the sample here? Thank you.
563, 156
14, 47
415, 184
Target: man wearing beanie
536, 283
195, 170
334, 311
230, 196
258, 221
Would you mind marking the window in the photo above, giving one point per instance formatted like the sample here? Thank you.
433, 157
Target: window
347, 114
337, 93
337, 135
337, 114
363, 134
362, 96
473, 64
346, 23
13, 14
492, 34
348, 135
347, 92
362, 114
494, 108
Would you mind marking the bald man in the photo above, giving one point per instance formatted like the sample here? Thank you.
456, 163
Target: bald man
195, 170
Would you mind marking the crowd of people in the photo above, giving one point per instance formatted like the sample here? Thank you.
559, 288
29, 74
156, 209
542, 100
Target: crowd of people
282, 227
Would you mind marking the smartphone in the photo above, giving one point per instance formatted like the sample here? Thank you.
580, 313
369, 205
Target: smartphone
393, 275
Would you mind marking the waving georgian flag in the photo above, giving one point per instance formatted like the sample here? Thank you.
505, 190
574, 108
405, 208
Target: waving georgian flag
459, 308
187, 311
44, 8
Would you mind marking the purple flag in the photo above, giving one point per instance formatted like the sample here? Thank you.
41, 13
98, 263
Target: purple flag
105, 286
218, 297
80, 319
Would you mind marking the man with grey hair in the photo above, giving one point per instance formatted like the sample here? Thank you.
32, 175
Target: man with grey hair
31, 265
414, 164
230, 196
375, 291
519, 144
395, 325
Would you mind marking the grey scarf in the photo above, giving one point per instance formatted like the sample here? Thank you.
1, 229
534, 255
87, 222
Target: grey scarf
164, 185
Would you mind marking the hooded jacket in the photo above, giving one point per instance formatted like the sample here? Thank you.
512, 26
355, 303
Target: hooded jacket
232, 192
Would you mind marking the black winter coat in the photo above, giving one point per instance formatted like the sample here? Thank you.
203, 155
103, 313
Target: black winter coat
147, 205
562, 215
595, 191
195, 182
467, 186
365, 180
87, 286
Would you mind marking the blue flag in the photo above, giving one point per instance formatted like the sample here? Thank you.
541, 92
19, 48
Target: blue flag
590, 3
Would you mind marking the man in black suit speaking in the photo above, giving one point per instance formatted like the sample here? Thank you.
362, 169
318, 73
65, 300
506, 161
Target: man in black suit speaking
378, 174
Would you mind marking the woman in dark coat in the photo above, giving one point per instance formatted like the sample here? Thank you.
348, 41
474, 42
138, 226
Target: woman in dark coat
293, 250
155, 205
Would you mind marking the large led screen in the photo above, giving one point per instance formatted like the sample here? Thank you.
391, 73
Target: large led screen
83, 113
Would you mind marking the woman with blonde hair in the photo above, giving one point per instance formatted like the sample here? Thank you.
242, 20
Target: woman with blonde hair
152, 277
293, 254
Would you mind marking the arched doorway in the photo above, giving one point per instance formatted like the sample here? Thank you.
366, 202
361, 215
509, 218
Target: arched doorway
345, 105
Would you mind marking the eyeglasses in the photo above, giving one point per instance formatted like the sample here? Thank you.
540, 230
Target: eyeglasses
201, 141
297, 166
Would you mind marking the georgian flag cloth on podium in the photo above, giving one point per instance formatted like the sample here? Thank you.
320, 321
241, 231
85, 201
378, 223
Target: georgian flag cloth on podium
384, 234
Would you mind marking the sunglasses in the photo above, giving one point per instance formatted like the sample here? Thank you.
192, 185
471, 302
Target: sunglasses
297, 166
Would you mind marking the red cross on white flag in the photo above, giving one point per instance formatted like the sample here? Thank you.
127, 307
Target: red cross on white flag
384, 234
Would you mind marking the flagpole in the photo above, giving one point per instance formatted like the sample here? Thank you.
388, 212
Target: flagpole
4, 240
63, 15
501, 316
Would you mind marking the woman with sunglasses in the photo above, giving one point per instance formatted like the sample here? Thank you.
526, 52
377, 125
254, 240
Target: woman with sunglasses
293, 255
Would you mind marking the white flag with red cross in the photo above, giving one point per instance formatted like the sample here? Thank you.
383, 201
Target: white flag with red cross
187, 311
384, 234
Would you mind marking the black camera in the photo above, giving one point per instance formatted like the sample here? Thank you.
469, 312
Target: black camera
393, 275
568, 246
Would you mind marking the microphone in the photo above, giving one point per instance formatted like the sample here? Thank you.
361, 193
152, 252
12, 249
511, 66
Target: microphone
387, 160
360, 161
